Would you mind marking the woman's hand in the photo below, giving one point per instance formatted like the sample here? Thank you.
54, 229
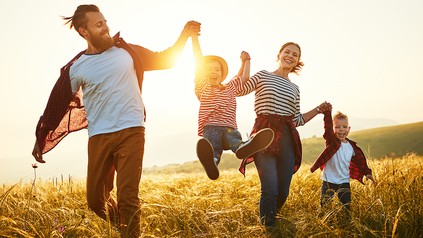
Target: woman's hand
245, 56
325, 106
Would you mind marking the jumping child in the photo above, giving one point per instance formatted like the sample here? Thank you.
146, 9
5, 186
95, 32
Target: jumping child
217, 114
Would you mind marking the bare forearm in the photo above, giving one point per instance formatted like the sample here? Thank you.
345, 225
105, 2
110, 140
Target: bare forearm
191, 28
198, 57
310, 114
196, 49
323, 107
167, 58
246, 71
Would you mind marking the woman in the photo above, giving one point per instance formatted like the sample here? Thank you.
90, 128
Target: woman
277, 105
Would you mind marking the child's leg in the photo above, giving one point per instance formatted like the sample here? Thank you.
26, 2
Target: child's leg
256, 143
327, 193
214, 134
344, 195
205, 155
232, 139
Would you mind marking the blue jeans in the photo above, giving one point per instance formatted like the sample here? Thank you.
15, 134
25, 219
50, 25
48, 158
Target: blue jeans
222, 138
275, 172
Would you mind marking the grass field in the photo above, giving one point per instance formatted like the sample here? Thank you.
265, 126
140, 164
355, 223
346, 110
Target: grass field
190, 205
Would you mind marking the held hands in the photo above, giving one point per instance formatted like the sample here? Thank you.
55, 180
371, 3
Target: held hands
245, 56
325, 106
192, 28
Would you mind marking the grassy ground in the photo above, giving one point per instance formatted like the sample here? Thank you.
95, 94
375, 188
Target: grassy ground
190, 205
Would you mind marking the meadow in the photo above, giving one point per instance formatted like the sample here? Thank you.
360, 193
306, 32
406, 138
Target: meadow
188, 204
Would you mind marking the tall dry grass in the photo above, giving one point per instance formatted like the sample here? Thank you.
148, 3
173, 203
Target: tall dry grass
190, 205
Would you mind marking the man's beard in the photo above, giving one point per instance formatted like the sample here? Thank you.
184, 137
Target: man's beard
102, 42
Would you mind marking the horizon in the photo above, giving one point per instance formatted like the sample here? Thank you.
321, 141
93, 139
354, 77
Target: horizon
74, 170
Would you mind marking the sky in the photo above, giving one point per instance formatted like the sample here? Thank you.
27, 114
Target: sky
365, 57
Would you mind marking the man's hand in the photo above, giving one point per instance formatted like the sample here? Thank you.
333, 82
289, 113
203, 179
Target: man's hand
192, 28
37, 153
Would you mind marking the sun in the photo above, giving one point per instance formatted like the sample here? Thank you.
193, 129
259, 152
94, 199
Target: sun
185, 64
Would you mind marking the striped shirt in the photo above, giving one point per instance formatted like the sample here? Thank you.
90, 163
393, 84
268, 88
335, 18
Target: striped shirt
217, 104
274, 95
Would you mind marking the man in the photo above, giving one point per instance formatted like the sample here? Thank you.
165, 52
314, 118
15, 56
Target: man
109, 75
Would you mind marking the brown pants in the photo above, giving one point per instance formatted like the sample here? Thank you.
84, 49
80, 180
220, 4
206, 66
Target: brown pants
120, 151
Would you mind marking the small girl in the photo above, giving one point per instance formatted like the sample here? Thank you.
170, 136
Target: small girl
217, 114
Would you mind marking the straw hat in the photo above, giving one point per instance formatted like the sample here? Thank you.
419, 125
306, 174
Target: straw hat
221, 61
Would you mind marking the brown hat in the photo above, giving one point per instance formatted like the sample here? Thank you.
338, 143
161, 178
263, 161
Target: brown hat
221, 61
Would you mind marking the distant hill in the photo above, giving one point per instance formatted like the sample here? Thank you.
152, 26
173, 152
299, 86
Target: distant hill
315, 127
376, 143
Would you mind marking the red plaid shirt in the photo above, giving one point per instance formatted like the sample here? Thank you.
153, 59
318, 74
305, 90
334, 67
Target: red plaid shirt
277, 124
358, 164
65, 111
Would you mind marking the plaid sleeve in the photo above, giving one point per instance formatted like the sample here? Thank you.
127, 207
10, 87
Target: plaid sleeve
330, 140
329, 135
358, 165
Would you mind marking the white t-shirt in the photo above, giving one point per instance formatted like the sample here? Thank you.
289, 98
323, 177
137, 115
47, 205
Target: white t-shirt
111, 95
337, 169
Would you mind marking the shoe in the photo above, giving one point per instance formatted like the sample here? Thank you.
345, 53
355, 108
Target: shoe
206, 156
258, 142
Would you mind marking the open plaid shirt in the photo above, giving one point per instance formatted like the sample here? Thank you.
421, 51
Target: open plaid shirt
65, 112
358, 164
277, 124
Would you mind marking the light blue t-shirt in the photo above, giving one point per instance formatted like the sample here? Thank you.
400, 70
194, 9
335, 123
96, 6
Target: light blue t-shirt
111, 95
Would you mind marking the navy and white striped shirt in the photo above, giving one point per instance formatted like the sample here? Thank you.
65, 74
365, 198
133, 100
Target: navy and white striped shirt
274, 95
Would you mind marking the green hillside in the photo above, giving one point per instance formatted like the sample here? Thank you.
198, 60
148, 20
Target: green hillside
376, 143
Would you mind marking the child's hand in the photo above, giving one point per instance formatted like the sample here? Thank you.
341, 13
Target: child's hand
245, 56
370, 177
192, 28
325, 106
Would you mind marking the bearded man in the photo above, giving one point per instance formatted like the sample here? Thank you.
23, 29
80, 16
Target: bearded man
100, 89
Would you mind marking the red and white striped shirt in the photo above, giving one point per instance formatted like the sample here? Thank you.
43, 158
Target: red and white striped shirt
217, 103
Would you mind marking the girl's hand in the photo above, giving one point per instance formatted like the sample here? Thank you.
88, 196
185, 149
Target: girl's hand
245, 56
192, 28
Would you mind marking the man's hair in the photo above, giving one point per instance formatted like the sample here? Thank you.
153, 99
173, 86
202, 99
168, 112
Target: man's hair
79, 18
340, 115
